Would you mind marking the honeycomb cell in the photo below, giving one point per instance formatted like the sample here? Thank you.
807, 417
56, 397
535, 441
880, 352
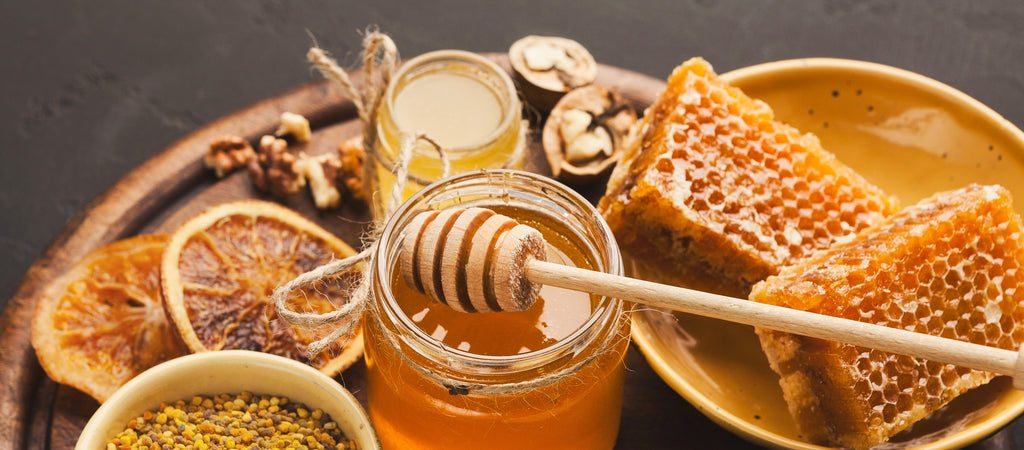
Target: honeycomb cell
908, 279
919, 395
985, 246
851, 313
969, 274
933, 387
889, 412
908, 322
875, 397
925, 275
1006, 324
944, 279
1017, 336
961, 328
894, 312
904, 402
949, 377
965, 308
876, 378
938, 285
666, 166
905, 380
820, 215
993, 332
889, 370
1005, 341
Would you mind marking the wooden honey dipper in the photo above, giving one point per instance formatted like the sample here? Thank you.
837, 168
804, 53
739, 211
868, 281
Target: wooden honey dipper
475, 260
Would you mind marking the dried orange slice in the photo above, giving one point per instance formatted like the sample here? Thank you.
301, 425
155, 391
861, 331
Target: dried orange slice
103, 321
220, 268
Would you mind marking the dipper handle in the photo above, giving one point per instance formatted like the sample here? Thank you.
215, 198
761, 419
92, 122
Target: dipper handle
475, 260
894, 340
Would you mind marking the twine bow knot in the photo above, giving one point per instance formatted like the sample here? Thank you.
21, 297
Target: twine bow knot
377, 73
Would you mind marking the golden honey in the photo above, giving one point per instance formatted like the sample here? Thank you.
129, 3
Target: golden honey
547, 377
463, 102
456, 110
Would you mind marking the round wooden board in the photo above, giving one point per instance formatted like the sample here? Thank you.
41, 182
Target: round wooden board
173, 186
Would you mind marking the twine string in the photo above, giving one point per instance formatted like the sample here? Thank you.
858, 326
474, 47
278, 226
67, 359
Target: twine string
375, 87
346, 317
378, 71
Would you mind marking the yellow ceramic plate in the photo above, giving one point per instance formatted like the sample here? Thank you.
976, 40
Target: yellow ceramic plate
908, 134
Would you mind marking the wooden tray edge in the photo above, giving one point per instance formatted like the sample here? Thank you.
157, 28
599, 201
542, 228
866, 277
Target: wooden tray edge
140, 194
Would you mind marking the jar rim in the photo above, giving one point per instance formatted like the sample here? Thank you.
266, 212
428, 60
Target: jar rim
607, 309
505, 88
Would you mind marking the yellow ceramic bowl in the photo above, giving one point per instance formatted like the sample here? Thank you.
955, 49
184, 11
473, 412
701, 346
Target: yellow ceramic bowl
228, 372
908, 134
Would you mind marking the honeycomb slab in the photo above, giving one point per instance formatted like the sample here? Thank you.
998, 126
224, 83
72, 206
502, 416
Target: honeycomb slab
948, 266
719, 191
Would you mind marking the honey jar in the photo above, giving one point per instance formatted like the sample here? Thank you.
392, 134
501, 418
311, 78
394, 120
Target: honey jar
463, 102
548, 377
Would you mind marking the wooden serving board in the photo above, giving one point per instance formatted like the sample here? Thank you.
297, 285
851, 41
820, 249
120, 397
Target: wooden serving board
173, 186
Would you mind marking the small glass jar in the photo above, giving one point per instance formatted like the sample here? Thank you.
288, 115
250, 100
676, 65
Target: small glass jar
463, 102
428, 389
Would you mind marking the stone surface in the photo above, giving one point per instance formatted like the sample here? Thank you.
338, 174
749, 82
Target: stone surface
90, 90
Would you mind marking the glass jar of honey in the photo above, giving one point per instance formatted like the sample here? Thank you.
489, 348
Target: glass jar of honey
548, 377
463, 102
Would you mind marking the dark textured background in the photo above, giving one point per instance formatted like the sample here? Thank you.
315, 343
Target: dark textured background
91, 89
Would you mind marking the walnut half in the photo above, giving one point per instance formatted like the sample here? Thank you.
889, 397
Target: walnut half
332, 175
227, 154
273, 169
547, 67
296, 125
322, 172
585, 134
353, 162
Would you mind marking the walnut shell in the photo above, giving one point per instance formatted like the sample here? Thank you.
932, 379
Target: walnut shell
542, 87
607, 109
